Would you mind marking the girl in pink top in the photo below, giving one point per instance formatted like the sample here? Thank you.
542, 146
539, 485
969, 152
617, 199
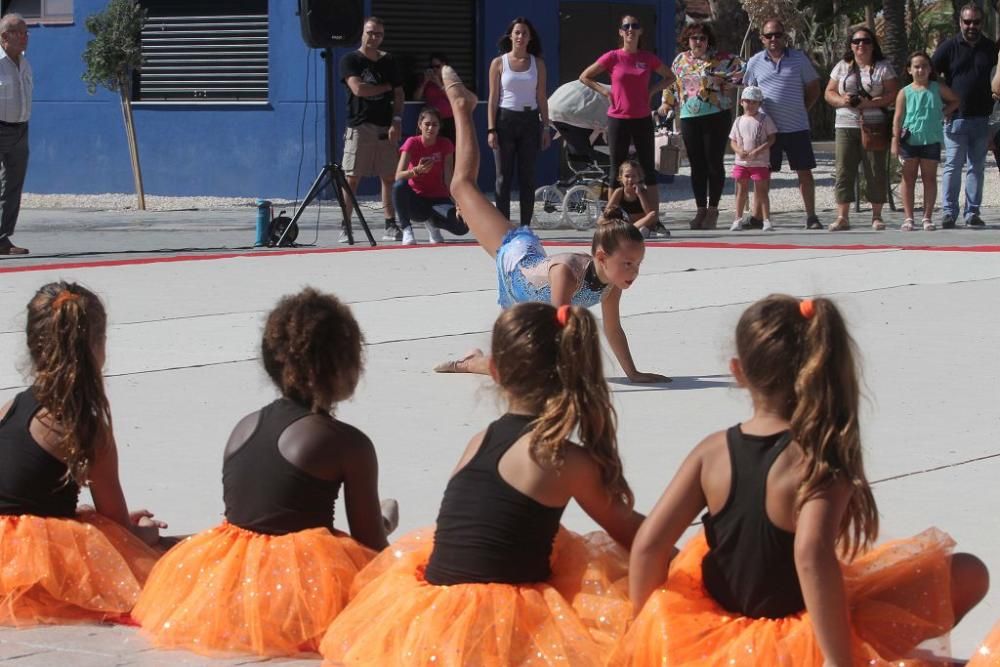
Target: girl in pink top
420, 192
629, 117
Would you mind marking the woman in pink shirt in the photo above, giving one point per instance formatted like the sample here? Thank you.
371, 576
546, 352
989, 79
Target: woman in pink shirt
629, 117
432, 91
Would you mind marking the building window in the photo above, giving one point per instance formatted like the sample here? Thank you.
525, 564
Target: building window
206, 51
416, 28
41, 11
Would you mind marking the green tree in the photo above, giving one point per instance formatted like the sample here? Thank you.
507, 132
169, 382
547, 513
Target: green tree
894, 37
112, 56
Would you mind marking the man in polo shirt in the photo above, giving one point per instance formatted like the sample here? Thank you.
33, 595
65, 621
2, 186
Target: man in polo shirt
964, 62
791, 88
15, 108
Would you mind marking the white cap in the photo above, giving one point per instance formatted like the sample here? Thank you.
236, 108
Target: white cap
753, 93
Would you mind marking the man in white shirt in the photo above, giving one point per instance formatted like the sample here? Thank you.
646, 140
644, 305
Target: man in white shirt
15, 108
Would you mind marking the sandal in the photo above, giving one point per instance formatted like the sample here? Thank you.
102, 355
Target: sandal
458, 365
839, 225
877, 224
907, 225
928, 225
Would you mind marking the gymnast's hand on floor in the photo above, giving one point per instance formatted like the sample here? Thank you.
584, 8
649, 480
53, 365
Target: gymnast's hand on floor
648, 378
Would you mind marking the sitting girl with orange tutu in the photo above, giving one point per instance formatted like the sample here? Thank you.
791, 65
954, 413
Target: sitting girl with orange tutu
494, 585
61, 564
786, 495
271, 578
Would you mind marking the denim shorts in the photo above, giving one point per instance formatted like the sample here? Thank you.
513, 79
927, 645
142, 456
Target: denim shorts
925, 152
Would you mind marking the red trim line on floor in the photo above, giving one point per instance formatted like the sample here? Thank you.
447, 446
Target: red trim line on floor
253, 254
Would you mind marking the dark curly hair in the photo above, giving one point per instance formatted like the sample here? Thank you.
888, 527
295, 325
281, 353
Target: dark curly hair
696, 28
506, 44
311, 349
877, 54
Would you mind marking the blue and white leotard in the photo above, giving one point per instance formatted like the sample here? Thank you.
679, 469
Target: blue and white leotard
523, 272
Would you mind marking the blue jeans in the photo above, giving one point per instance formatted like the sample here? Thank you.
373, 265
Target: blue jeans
440, 211
965, 141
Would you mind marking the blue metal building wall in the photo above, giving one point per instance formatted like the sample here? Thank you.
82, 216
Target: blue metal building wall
78, 141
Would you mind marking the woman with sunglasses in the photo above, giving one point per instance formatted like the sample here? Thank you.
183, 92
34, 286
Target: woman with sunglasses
706, 78
861, 86
517, 114
431, 90
629, 116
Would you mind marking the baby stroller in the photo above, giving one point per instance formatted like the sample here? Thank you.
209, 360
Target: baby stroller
580, 116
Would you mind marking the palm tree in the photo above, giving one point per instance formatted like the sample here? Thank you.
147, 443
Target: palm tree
894, 34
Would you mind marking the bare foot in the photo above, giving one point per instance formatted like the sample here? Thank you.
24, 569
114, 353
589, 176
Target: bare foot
467, 364
462, 99
390, 514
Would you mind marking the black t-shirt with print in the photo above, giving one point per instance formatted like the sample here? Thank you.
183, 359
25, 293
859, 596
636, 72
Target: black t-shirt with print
378, 109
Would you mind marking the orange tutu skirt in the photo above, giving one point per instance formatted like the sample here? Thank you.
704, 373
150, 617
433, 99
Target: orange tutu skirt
229, 590
988, 653
899, 596
396, 618
87, 569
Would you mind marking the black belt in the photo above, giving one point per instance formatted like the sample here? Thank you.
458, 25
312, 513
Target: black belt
4, 123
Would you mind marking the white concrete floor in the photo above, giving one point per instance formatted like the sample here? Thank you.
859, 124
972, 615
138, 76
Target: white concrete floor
182, 369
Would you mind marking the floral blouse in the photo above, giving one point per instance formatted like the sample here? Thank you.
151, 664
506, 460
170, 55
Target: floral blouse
696, 87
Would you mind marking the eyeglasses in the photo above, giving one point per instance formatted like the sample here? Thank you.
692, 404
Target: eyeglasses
698, 38
375, 34
861, 40
630, 26
972, 22
772, 35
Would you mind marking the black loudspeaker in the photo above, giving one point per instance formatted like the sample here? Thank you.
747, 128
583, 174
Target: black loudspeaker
330, 23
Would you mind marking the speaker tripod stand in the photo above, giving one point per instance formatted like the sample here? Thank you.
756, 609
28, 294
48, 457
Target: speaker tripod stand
332, 174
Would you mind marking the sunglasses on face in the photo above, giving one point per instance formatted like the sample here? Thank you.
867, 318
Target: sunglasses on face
773, 35
698, 38
861, 40
630, 26
972, 22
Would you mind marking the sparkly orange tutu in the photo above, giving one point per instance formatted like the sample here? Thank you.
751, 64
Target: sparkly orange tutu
899, 595
87, 569
396, 618
988, 653
229, 590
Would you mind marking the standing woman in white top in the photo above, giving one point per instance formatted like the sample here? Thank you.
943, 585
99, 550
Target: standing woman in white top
16, 84
517, 114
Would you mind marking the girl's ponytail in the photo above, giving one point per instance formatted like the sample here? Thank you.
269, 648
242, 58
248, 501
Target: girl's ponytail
66, 324
825, 420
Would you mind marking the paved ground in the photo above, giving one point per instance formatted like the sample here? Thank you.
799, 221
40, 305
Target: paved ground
182, 364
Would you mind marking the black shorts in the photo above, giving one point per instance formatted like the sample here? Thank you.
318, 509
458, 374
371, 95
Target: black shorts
925, 152
797, 146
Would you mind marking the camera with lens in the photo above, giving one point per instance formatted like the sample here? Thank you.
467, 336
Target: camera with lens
854, 99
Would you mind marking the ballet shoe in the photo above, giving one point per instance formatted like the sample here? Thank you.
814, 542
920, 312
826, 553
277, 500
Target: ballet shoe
461, 98
458, 365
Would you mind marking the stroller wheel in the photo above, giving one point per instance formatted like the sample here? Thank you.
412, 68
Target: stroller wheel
581, 206
548, 207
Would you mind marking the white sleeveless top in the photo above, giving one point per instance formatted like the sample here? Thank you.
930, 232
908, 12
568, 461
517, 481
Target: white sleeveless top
518, 90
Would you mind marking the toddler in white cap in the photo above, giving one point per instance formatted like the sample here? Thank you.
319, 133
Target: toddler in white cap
752, 136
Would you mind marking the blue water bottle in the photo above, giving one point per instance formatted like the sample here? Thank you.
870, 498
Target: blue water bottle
263, 221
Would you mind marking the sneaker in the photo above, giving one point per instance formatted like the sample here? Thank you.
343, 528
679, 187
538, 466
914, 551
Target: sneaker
812, 222
947, 221
737, 225
646, 232
660, 230
434, 233
752, 222
768, 227
407, 236
975, 222
344, 238
392, 233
